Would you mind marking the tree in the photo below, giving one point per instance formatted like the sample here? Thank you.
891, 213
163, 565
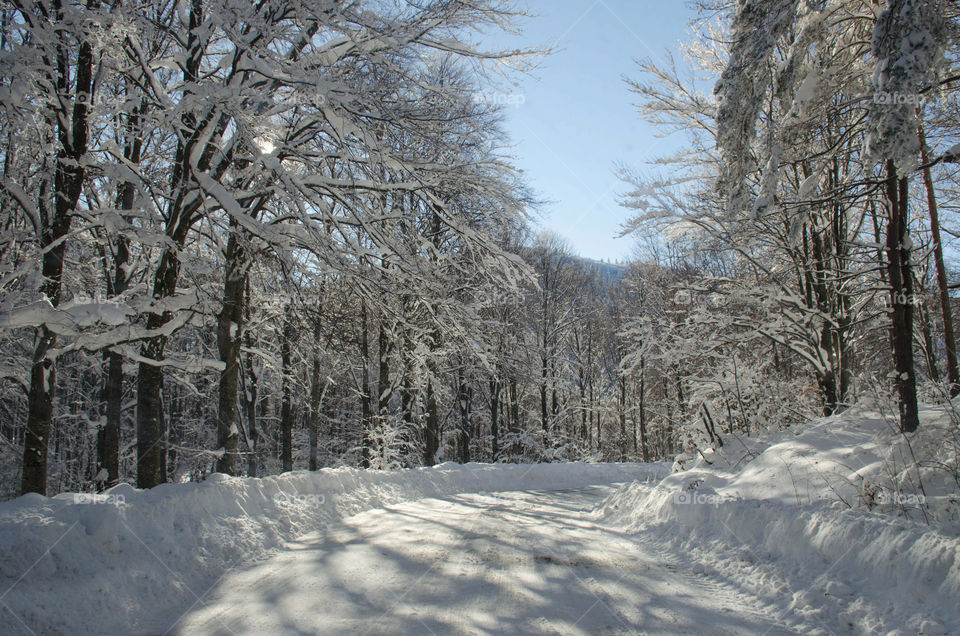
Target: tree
57, 55
908, 43
797, 171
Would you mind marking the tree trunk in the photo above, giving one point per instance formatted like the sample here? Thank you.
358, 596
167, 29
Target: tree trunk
108, 438
543, 394
900, 275
39, 416
171, 435
622, 408
407, 403
316, 397
431, 432
108, 442
151, 445
514, 405
286, 406
827, 380
464, 400
69, 175
383, 380
554, 400
681, 400
250, 400
949, 338
582, 385
495, 388
644, 449
229, 334
926, 333
180, 217
366, 407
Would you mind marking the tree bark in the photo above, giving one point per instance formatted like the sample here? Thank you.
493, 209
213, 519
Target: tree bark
644, 448
900, 275
250, 400
229, 335
286, 406
316, 396
949, 338
383, 380
431, 432
108, 438
464, 402
926, 332
495, 389
582, 386
69, 175
622, 408
514, 405
151, 445
184, 203
543, 394
366, 408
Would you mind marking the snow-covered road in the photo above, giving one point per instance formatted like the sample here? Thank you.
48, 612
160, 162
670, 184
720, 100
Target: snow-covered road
503, 563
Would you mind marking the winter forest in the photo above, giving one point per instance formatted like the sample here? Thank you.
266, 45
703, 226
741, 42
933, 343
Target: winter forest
248, 238
262, 237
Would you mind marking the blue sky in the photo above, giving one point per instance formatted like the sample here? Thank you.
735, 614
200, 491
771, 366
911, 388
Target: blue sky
574, 117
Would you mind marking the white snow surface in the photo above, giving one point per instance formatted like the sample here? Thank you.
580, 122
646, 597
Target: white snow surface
134, 561
532, 562
826, 528
827, 522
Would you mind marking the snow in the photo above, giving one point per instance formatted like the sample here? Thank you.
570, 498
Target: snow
506, 563
909, 40
824, 521
808, 187
827, 527
86, 313
807, 92
133, 561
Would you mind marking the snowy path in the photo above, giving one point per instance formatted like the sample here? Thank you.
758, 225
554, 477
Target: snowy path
504, 563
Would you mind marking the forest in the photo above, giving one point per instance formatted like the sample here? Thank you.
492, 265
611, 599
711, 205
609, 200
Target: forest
253, 238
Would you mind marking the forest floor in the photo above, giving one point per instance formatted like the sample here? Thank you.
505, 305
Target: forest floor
507, 563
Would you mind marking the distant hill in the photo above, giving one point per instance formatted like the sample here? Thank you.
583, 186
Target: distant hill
612, 272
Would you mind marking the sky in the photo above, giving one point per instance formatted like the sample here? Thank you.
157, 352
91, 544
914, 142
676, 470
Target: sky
573, 118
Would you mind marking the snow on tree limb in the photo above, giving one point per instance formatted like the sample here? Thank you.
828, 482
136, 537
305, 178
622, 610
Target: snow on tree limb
908, 43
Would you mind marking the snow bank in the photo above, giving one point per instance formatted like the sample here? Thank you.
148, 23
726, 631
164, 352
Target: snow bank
826, 522
858, 459
126, 561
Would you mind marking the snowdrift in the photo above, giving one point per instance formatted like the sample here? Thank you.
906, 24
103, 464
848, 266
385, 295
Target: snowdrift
829, 521
126, 561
